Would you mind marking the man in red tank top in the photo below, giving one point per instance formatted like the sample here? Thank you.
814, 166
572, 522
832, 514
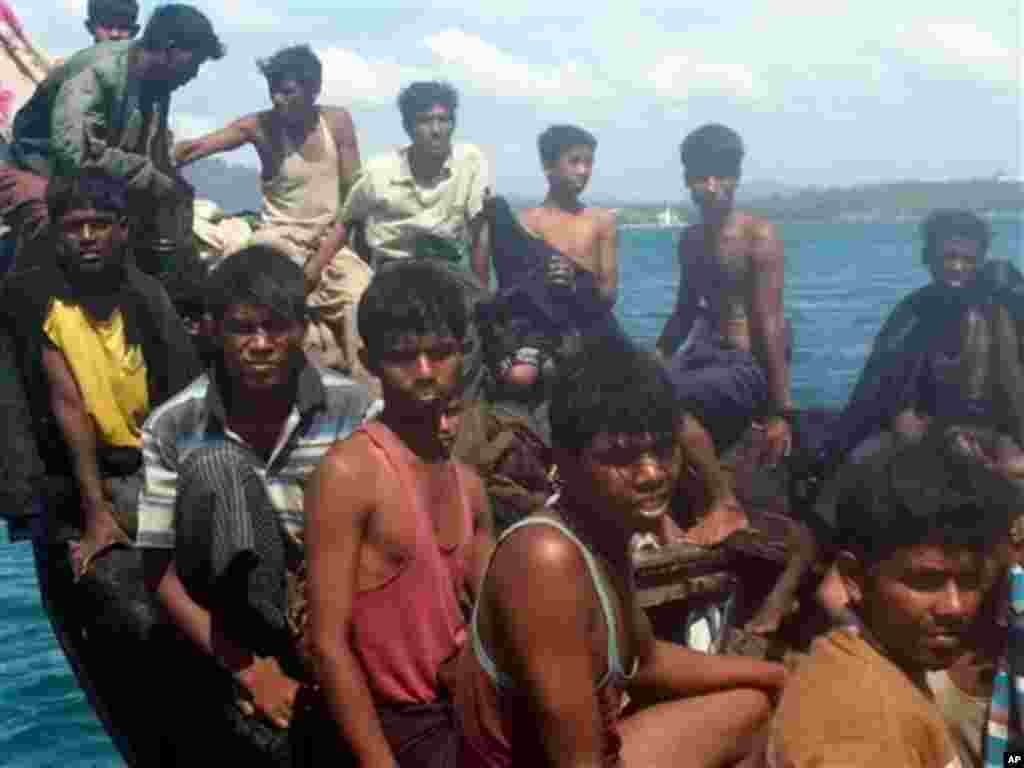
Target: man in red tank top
398, 533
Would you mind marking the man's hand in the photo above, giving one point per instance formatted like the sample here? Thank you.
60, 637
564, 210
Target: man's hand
313, 270
271, 692
776, 441
101, 533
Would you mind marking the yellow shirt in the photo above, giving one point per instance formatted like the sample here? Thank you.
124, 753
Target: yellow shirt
110, 375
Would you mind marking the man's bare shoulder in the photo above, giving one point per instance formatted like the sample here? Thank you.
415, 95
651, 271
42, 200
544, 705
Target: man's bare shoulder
338, 117
540, 553
353, 464
604, 217
755, 228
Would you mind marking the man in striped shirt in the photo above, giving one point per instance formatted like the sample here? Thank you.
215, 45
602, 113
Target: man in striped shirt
226, 461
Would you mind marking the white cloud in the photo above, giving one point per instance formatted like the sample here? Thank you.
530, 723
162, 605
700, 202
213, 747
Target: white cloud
349, 78
189, 125
678, 75
492, 69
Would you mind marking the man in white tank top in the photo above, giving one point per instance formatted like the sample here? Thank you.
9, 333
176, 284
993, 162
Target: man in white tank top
309, 158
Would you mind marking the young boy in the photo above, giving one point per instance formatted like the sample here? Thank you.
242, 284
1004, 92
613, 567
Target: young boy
398, 532
557, 636
556, 266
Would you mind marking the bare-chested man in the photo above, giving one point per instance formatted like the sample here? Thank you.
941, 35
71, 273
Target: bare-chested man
398, 533
731, 368
309, 158
556, 265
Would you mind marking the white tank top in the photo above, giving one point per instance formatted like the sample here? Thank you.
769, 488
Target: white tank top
304, 193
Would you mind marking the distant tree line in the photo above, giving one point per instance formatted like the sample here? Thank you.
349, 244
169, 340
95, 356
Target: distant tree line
236, 188
892, 200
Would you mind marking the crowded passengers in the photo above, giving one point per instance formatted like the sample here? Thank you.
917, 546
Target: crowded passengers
426, 547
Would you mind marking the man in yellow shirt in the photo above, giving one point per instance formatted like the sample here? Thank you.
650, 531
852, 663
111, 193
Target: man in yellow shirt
101, 345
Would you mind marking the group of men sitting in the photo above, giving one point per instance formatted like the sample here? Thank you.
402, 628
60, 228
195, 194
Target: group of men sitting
325, 549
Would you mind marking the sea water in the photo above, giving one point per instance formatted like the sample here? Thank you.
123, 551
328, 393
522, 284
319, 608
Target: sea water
841, 281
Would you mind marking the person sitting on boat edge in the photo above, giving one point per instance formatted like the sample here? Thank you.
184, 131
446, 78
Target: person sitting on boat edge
725, 341
556, 265
544, 685
310, 158
100, 345
398, 533
425, 201
225, 464
918, 526
949, 350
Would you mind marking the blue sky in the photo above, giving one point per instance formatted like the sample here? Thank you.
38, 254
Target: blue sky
823, 93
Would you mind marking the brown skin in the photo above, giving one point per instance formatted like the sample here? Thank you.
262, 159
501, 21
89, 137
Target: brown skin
587, 237
261, 352
360, 533
736, 262
431, 145
296, 114
556, 650
89, 243
919, 603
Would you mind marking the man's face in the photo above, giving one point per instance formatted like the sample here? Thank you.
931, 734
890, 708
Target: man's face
919, 603
449, 422
291, 100
432, 131
112, 29
176, 66
90, 242
713, 195
260, 348
573, 169
956, 262
629, 479
420, 370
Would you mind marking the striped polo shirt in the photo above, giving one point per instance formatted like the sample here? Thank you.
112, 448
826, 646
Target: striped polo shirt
328, 407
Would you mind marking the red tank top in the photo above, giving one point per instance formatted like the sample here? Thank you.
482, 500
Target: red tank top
406, 628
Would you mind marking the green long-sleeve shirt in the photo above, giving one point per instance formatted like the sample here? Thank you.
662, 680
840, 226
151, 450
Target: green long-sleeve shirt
94, 112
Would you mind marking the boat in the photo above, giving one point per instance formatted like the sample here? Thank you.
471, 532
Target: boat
668, 219
107, 635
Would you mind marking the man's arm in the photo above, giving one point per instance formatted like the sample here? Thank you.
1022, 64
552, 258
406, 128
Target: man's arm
339, 504
79, 434
357, 204
608, 259
768, 337
480, 255
669, 670
78, 130
243, 131
678, 323
483, 530
348, 149
272, 692
545, 647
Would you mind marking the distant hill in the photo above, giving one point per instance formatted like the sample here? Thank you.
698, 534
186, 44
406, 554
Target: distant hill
233, 187
902, 199
237, 188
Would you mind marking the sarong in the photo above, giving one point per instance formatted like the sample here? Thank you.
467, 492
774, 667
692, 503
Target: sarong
724, 388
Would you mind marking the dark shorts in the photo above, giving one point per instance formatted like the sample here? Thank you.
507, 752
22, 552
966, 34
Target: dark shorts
723, 388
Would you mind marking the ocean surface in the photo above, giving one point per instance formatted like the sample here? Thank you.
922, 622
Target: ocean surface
841, 281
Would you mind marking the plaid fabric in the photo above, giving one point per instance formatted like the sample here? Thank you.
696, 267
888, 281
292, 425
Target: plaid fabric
1006, 711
